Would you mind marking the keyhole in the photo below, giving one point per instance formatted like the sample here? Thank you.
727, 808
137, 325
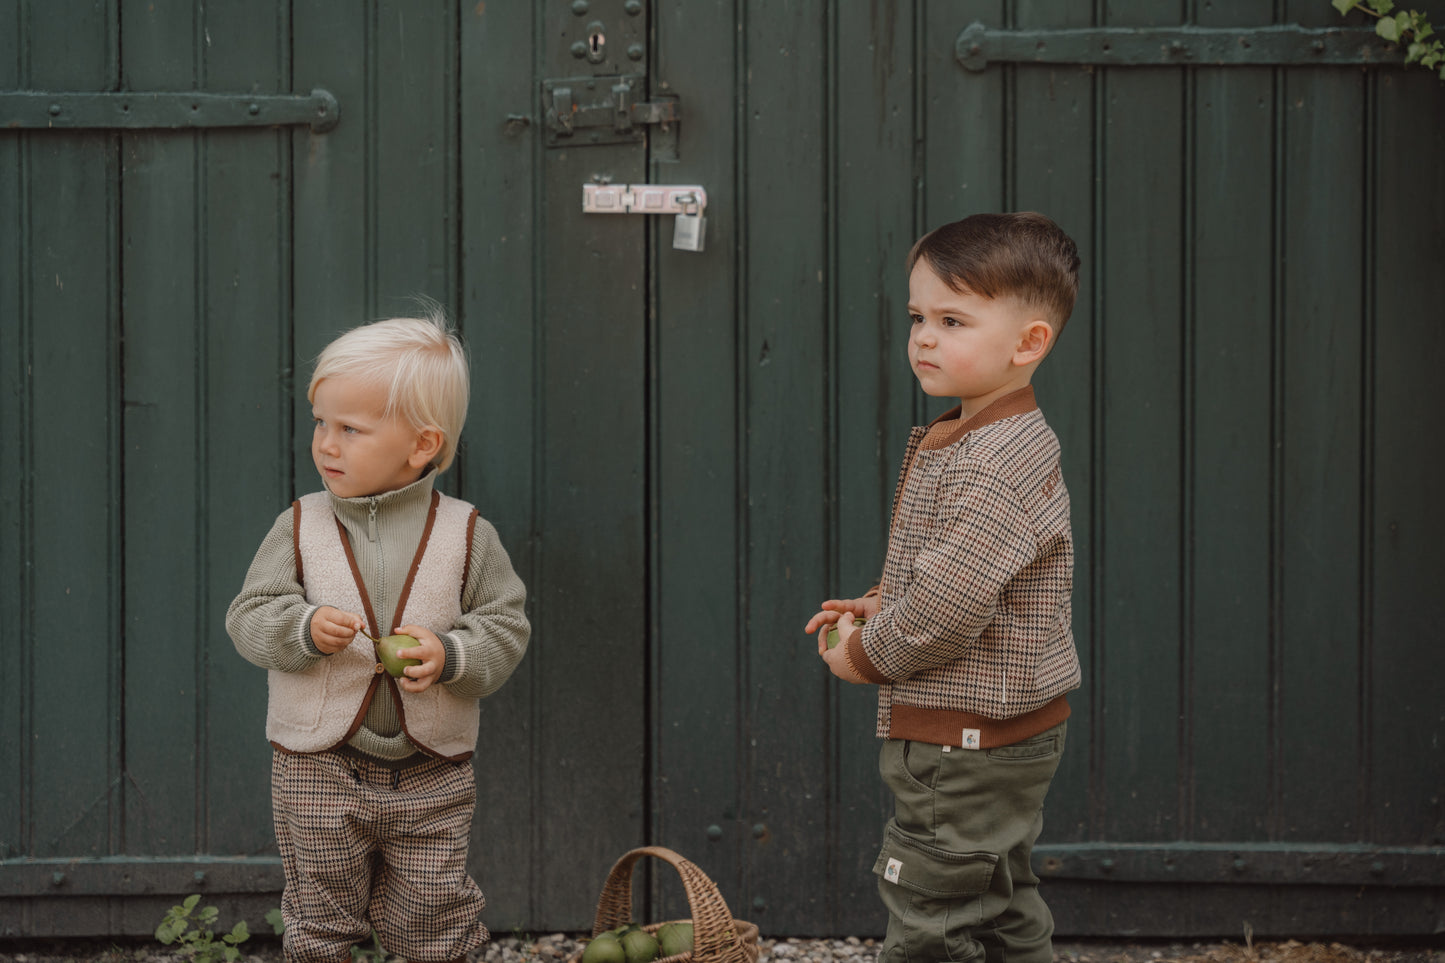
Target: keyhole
595, 42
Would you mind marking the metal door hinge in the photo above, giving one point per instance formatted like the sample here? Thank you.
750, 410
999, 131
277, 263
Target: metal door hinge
1289, 45
142, 110
581, 111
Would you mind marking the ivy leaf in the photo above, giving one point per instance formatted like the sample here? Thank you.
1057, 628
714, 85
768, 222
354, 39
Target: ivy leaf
1344, 6
1388, 29
1383, 7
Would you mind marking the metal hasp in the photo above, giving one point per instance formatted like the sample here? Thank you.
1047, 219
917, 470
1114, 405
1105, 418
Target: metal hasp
643, 199
1288, 45
582, 111
45, 110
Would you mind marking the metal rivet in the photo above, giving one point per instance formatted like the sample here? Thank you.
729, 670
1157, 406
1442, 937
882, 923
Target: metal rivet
579, 50
1377, 868
57, 878
634, 51
254, 109
579, 7
199, 876
714, 832
54, 110
759, 830
759, 903
1239, 865
633, 7
1107, 865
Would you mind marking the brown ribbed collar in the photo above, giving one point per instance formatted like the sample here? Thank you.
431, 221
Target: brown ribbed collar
1019, 402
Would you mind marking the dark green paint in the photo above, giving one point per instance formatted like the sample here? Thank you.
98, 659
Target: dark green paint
685, 453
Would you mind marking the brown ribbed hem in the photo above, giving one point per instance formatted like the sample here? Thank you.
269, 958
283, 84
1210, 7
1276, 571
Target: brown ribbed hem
950, 727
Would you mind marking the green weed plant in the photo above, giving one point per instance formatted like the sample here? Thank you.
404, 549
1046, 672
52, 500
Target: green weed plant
190, 930
1410, 29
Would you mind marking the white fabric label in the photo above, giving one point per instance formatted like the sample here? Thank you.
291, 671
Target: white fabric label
891, 871
970, 739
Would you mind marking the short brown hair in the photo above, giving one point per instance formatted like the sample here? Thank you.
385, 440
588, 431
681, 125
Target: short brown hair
1023, 255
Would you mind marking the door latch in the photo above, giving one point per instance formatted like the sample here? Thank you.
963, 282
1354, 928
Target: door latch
685, 201
601, 110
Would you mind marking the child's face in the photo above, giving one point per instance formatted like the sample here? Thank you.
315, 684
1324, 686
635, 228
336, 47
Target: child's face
963, 345
358, 450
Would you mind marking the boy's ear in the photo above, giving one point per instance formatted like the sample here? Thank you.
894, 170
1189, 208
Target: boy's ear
1034, 342
428, 444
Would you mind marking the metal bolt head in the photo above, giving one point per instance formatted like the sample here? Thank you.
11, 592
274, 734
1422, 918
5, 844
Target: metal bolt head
579, 7
633, 7
579, 49
634, 51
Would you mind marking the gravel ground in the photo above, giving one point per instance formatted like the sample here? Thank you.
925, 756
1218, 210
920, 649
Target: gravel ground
559, 947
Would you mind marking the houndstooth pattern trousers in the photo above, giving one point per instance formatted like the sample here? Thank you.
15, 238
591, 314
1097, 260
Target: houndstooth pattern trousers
366, 847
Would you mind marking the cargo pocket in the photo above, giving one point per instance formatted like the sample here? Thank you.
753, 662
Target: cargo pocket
933, 896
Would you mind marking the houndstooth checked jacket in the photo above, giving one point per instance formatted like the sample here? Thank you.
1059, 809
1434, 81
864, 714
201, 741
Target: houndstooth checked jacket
973, 646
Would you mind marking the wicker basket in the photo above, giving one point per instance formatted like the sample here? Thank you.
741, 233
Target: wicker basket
716, 936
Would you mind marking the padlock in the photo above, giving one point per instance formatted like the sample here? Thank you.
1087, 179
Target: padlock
687, 232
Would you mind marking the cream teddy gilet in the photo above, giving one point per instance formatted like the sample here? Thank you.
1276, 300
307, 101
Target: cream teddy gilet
321, 707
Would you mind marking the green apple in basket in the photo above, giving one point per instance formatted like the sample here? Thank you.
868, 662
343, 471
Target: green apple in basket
674, 939
604, 948
639, 945
833, 632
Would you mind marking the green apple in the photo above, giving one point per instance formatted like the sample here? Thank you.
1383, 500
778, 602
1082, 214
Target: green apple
674, 939
387, 649
833, 632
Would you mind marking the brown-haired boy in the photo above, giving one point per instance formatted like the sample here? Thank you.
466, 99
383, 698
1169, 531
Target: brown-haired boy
968, 633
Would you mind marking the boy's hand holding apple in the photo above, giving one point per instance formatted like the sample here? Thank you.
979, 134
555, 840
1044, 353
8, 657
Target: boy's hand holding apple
431, 652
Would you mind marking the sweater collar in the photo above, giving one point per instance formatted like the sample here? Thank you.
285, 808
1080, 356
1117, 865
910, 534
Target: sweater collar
413, 497
1019, 402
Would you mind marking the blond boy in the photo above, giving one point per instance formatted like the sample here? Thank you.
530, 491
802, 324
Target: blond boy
372, 788
968, 633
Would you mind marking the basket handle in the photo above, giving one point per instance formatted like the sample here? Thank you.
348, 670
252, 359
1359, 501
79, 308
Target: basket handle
714, 935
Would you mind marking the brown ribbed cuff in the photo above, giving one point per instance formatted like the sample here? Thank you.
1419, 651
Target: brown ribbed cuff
859, 662
968, 730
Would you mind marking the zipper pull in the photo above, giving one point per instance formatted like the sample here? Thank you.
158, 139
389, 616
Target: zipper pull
371, 522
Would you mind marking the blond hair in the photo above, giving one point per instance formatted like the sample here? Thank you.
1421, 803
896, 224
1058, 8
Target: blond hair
419, 362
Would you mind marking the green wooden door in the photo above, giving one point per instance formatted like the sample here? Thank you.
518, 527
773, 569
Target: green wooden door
684, 452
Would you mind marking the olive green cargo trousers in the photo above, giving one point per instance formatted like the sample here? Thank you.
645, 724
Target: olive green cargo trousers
954, 870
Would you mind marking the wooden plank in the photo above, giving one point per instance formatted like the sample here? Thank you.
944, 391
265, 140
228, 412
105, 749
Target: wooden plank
698, 617
1320, 492
333, 216
244, 294
1052, 170
495, 464
1231, 426
872, 139
1404, 714
1142, 356
74, 458
15, 406
782, 377
591, 592
164, 457
413, 193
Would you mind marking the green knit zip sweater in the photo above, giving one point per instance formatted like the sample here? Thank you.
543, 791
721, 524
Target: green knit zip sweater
270, 620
